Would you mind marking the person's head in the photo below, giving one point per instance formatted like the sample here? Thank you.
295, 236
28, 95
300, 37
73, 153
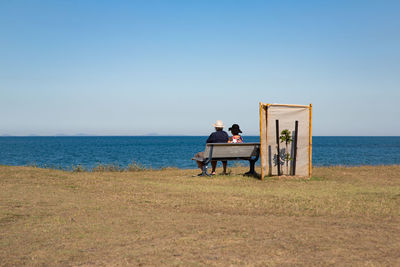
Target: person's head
235, 129
218, 125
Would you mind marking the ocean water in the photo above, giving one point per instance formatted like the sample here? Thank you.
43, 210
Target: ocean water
176, 151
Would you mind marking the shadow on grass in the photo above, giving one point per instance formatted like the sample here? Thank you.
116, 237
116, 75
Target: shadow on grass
253, 175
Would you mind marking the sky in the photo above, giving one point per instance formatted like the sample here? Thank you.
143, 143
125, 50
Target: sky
175, 67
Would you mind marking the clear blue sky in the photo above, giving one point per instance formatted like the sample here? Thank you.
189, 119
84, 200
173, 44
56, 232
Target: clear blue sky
174, 67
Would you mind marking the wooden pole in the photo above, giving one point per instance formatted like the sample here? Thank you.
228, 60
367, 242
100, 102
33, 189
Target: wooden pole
261, 141
278, 155
310, 143
296, 130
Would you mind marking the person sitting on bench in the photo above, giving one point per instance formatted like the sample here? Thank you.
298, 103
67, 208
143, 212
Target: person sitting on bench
219, 136
235, 138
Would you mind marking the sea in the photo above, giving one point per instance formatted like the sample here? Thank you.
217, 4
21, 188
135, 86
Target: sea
158, 152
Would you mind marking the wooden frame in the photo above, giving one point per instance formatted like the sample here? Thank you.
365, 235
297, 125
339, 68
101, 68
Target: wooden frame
265, 106
310, 142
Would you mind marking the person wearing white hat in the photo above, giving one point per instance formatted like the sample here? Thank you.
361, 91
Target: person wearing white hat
219, 136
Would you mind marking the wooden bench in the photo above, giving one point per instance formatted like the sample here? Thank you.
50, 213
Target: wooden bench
230, 151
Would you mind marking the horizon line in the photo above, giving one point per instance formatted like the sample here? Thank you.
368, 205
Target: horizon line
173, 135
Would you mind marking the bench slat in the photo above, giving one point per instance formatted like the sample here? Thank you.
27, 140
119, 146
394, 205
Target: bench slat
243, 150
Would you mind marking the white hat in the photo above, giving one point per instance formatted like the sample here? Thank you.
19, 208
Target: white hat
218, 124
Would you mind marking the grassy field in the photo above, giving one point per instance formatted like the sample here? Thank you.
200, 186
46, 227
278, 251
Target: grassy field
341, 216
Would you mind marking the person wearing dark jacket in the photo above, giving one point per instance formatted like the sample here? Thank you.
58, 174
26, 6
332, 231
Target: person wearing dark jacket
219, 136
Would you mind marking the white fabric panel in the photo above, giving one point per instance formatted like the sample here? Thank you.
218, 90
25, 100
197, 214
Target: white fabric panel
287, 115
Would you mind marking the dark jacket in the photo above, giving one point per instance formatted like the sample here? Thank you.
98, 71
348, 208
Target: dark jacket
218, 137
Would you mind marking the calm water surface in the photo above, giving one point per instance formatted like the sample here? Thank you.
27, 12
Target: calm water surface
176, 151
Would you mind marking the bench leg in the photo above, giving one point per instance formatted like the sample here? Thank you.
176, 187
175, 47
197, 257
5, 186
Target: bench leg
252, 170
205, 167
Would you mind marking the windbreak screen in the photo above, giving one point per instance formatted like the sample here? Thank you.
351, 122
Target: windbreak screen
286, 115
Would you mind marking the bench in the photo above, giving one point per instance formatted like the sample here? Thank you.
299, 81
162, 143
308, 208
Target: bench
230, 151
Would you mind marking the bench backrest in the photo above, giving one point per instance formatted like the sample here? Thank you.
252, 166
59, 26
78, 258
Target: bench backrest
229, 150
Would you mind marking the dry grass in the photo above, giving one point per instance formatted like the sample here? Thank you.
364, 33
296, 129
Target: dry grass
342, 216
